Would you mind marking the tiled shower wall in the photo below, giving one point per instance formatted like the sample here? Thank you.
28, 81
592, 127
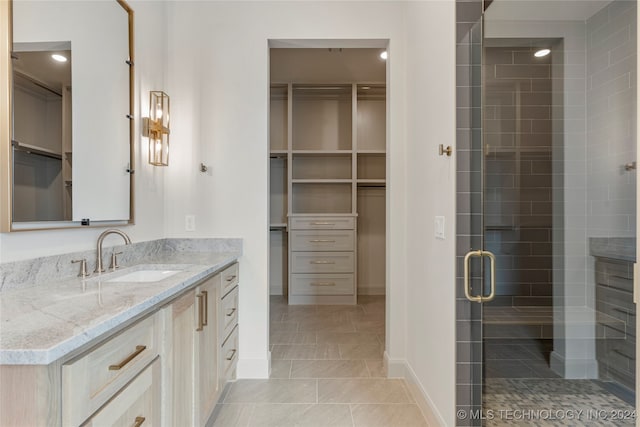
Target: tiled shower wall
468, 199
518, 185
611, 126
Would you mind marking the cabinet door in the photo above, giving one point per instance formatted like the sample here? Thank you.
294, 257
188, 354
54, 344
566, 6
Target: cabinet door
138, 404
207, 354
183, 313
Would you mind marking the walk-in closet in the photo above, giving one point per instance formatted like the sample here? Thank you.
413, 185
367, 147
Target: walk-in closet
327, 174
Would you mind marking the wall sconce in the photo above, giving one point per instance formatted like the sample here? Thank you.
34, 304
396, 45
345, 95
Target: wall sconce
156, 128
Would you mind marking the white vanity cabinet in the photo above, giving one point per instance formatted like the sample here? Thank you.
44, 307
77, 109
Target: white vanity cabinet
203, 347
166, 368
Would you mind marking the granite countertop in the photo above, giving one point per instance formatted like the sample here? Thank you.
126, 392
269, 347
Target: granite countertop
41, 323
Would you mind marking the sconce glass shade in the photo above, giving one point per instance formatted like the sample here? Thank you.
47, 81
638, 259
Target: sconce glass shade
156, 128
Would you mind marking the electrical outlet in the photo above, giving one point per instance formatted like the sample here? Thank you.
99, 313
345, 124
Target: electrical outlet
190, 223
439, 227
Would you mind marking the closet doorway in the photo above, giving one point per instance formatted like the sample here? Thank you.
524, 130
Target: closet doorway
327, 164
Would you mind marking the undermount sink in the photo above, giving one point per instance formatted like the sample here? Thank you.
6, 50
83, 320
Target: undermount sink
145, 276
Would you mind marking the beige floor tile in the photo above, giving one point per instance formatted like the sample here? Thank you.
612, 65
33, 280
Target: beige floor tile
305, 352
314, 316
350, 309
329, 369
287, 337
280, 369
367, 317
361, 351
376, 368
374, 326
300, 415
233, 415
326, 326
363, 391
387, 415
283, 327
272, 391
347, 338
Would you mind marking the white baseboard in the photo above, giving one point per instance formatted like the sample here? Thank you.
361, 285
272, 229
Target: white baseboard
254, 368
399, 368
573, 369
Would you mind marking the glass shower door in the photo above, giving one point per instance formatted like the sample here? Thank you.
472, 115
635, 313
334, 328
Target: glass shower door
551, 276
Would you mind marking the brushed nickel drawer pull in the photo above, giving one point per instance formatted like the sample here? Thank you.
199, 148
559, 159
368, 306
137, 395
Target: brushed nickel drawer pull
322, 223
231, 278
322, 283
322, 262
200, 312
233, 354
139, 421
206, 308
321, 241
230, 312
139, 349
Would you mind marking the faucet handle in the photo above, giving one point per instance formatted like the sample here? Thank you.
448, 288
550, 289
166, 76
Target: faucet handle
83, 267
114, 260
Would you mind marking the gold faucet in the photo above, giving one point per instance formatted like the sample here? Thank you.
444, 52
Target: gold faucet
127, 241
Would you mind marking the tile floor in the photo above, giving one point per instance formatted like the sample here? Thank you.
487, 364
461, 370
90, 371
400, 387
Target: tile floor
326, 370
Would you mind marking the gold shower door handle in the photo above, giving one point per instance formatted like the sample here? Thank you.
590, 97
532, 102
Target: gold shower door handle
467, 282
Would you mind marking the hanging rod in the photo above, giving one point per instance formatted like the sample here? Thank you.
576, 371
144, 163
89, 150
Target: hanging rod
37, 82
35, 150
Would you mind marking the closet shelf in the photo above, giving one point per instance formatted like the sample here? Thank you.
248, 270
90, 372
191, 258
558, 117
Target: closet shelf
378, 152
324, 153
321, 181
372, 182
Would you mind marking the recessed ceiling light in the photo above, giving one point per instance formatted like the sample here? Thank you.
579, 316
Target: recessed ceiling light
59, 58
384, 55
541, 53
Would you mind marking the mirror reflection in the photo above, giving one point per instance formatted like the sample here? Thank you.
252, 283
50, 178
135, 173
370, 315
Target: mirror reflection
41, 133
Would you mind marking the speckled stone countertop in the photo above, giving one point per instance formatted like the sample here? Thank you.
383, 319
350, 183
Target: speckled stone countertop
619, 248
41, 323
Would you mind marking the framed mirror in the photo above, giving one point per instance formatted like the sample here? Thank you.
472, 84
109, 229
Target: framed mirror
66, 142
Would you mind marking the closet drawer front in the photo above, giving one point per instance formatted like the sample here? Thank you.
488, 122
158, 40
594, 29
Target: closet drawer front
322, 284
339, 240
323, 223
137, 404
230, 355
88, 382
229, 278
322, 262
229, 313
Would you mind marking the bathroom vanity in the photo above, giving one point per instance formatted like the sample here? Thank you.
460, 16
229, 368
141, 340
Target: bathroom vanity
151, 344
616, 352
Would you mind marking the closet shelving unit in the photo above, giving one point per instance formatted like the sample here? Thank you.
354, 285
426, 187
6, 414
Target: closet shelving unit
327, 150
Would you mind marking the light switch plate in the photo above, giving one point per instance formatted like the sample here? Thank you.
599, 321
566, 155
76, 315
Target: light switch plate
439, 227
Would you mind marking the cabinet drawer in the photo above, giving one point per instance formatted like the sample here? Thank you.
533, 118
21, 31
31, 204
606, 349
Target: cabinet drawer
229, 314
229, 355
229, 278
323, 223
91, 380
619, 305
322, 284
137, 404
322, 262
338, 240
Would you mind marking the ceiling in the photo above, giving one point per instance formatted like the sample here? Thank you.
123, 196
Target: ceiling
39, 66
324, 65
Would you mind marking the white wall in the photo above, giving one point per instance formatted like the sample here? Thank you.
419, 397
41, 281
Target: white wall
149, 186
219, 84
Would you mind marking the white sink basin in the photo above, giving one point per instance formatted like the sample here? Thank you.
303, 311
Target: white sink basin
145, 276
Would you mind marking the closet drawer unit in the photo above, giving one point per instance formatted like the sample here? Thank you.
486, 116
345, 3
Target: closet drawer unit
229, 278
138, 404
338, 240
322, 284
91, 380
229, 314
322, 262
323, 223
229, 354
